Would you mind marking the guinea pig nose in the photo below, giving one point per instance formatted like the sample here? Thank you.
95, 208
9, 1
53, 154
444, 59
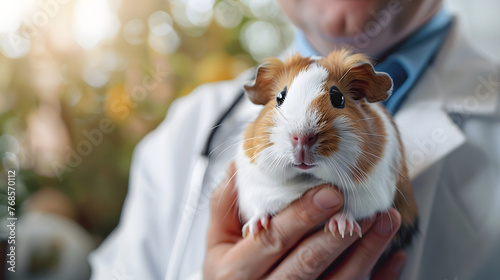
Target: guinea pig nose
303, 140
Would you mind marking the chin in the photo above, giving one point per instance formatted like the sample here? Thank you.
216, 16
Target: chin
354, 23
340, 18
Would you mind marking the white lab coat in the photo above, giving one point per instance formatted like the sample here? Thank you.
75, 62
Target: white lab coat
450, 126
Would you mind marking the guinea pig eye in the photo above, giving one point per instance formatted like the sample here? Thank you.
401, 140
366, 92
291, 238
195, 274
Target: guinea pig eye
337, 98
280, 98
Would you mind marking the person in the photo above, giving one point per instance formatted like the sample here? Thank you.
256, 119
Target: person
445, 103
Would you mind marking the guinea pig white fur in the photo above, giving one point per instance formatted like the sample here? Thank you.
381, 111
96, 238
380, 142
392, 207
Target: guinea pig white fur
322, 122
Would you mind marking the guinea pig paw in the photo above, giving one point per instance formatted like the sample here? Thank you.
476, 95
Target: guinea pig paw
264, 221
255, 225
344, 223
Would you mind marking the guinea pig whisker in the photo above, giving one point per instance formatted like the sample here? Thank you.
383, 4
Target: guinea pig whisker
372, 134
365, 119
377, 144
258, 129
369, 162
231, 139
344, 163
281, 113
370, 191
265, 158
234, 208
222, 144
345, 73
341, 174
227, 184
256, 155
367, 159
227, 148
350, 188
351, 184
251, 138
353, 191
274, 164
233, 158
401, 193
364, 184
254, 148
390, 218
378, 158
390, 165
281, 162
237, 171
274, 161
265, 142
232, 122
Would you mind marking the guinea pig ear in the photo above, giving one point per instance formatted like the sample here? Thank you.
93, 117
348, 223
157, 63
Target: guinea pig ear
260, 90
364, 81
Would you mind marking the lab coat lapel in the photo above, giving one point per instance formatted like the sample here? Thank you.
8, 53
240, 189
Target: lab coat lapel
446, 89
427, 132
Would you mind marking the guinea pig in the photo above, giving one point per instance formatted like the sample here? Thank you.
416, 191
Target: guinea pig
322, 122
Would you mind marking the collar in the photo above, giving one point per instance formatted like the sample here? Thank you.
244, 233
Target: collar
414, 55
301, 45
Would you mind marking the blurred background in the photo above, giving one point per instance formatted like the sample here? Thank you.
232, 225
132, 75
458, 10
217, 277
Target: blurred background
82, 81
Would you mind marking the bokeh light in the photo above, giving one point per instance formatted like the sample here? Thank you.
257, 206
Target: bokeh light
199, 12
13, 45
164, 44
228, 13
94, 21
162, 37
134, 31
264, 9
12, 14
160, 23
10, 161
260, 38
9, 143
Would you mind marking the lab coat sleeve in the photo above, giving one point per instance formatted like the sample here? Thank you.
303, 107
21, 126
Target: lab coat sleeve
140, 246
130, 251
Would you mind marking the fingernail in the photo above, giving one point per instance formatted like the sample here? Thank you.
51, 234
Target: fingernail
327, 198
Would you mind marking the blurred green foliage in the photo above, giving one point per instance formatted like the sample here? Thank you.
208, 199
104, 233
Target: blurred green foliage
58, 86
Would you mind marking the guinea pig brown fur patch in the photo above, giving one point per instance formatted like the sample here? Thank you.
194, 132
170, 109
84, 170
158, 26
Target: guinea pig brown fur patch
256, 136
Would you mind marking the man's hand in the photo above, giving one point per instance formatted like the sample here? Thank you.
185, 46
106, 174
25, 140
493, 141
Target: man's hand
286, 251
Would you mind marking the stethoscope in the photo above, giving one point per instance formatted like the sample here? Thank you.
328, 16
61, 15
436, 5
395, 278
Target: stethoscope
198, 172
220, 121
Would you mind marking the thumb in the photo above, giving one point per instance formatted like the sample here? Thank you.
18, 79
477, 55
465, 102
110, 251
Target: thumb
225, 225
